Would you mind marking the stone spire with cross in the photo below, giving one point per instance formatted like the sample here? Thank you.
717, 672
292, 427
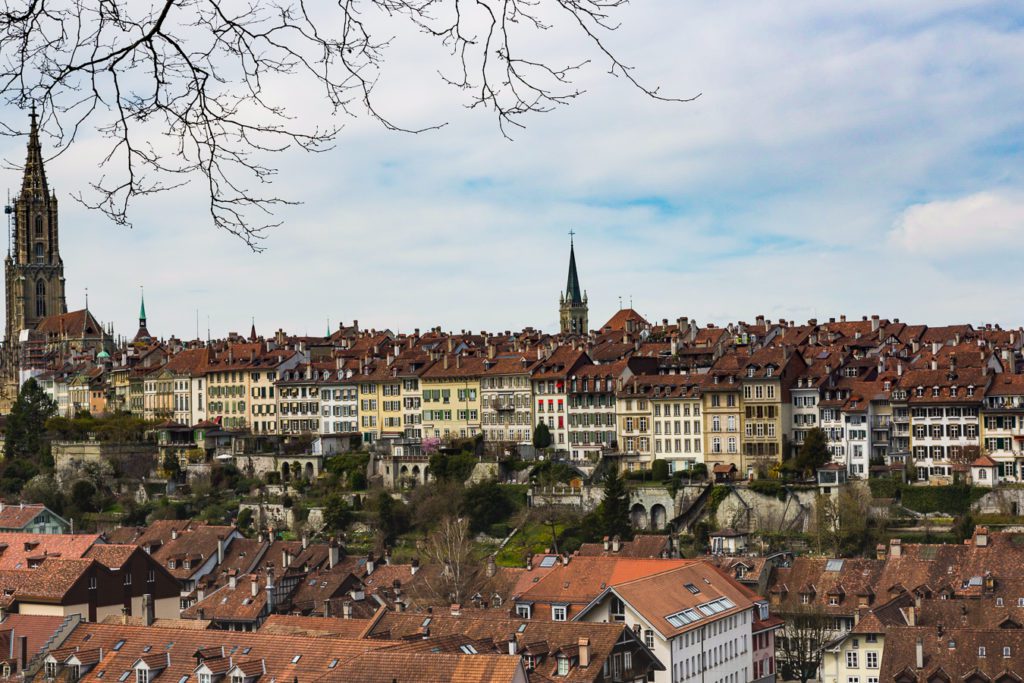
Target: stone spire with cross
572, 308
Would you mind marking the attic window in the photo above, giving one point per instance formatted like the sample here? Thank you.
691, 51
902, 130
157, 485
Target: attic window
1006, 652
124, 677
246, 650
118, 645
769, 371
935, 391
981, 651
333, 663
468, 649
296, 658
750, 372
693, 589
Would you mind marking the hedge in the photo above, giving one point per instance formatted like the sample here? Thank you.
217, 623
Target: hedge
953, 500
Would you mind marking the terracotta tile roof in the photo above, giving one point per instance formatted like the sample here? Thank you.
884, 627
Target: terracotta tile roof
18, 516
233, 604
584, 578
960, 654
112, 555
49, 582
659, 596
642, 545
491, 634
18, 547
294, 625
392, 667
283, 657
70, 324
36, 628
617, 323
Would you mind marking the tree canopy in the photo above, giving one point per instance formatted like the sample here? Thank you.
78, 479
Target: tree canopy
26, 423
205, 90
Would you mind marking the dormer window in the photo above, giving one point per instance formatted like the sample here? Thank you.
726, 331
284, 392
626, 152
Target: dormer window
142, 676
920, 392
970, 391
750, 371
953, 391
769, 371
563, 666
935, 392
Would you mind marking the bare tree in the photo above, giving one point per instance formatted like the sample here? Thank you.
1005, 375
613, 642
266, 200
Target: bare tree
806, 633
450, 548
190, 88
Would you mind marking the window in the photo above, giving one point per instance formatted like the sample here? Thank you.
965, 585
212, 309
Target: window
851, 659
40, 295
205, 678
51, 669
558, 613
563, 666
1006, 652
872, 659
981, 651
40, 253
523, 611
649, 638
142, 676
127, 579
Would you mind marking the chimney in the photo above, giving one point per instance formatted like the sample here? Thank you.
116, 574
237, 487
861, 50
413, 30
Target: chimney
456, 609
174, 534
584, 645
912, 616
233, 582
529, 562
201, 613
880, 551
874, 323
919, 649
270, 591
254, 585
981, 537
305, 541
327, 609
148, 609
333, 555
895, 549
414, 566
399, 606
513, 646
220, 551
492, 567
607, 543
369, 564
23, 647
616, 543
346, 610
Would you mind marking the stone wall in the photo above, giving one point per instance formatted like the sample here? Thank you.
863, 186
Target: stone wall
125, 460
1004, 500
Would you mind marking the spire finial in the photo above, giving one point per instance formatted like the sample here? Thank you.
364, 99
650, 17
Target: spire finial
86, 298
142, 305
572, 233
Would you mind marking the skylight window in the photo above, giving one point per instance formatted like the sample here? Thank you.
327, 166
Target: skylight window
124, 677
296, 658
246, 650
548, 561
834, 565
426, 623
522, 628
333, 663
693, 589
468, 649
684, 618
716, 606
118, 645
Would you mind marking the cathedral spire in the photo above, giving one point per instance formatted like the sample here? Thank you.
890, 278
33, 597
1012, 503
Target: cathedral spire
572, 310
573, 293
34, 180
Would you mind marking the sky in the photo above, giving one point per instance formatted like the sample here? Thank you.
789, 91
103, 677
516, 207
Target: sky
842, 158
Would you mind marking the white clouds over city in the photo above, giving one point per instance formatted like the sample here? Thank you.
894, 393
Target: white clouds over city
837, 153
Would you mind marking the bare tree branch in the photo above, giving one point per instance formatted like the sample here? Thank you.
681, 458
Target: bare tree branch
186, 89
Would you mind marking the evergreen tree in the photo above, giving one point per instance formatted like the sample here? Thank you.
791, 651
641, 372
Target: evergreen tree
615, 506
541, 437
814, 453
26, 425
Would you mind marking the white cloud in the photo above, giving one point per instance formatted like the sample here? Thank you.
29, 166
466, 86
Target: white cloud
819, 122
981, 222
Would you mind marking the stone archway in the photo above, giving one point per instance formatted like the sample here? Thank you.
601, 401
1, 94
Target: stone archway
308, 471
658, 517
285, 472
638, 516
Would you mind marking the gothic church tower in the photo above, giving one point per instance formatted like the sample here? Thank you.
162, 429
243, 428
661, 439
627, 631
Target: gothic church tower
33, 270
572, 305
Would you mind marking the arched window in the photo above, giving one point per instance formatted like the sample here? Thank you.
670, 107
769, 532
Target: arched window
39, 226
40, 298
40, 254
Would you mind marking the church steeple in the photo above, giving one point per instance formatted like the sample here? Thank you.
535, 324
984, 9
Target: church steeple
33, 182
142, 336
34, 271
572, 308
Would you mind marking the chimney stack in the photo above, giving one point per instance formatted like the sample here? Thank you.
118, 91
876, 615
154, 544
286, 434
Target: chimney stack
919, 650
346, 610
616, 543
584, 649
895, 548
148, 609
